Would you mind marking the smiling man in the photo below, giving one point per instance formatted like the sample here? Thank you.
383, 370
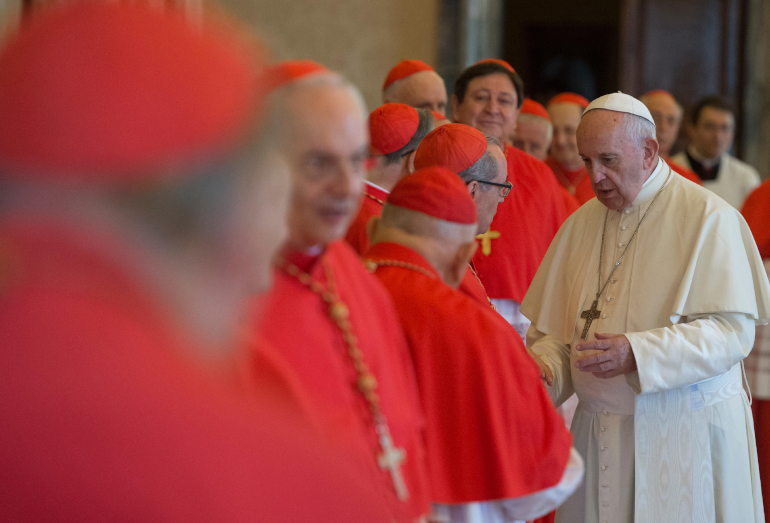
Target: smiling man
645, 306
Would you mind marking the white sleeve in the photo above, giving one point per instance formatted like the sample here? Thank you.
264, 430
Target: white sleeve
555, 354
516, 509
704, 347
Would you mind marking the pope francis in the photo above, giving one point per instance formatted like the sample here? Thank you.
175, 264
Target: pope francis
645, 306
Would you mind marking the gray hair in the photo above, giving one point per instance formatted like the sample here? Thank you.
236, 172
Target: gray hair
485, 168
638, 128
534, 118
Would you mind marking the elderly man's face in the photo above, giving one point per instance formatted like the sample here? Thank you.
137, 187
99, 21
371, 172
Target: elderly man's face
532, 137
488, 197
490, 105
668, 117
423, 90
327, 154
617, 163
565, 118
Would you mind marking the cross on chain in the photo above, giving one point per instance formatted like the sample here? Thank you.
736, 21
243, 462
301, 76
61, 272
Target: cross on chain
486, 241
390, 460
590, 315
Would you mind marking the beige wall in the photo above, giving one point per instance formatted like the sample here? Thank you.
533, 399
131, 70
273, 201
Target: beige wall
362, 39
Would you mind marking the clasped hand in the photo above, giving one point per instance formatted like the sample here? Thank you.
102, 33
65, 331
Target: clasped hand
616, 357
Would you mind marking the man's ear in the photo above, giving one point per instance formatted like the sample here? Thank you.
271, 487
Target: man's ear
459, 264
455, 105
372, 226
473, 189
651, 147
408, 166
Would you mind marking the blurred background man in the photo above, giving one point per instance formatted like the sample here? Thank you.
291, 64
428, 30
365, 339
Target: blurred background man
534, 130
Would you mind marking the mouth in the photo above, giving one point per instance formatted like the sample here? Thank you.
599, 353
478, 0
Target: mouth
334, 214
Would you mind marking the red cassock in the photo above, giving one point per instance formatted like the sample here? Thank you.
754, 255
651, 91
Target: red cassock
374, 199
576, 182
684, 171
296, 322
522, 229
492, 432
472, 287
570, 202
104, 419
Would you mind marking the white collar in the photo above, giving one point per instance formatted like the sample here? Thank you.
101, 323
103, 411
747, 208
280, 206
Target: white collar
376, 186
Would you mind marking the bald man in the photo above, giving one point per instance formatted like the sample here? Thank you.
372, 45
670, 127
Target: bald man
415, 83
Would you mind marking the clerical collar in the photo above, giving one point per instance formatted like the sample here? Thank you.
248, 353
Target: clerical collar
376, 186
707, 163
652, 184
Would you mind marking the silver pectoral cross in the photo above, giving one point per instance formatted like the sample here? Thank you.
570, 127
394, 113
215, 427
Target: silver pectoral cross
391, 459
590, 315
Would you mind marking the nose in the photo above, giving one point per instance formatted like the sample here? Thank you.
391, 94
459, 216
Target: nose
492, 105
346, 182
595, 174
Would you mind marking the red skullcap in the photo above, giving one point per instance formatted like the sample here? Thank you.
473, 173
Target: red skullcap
403, 69
659, 92
498, 62
569, 98
530, 106
454, 146
438, 116
391, 126
437, 192
117, 93
290, 71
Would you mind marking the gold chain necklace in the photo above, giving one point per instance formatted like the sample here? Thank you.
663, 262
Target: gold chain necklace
372, 265
391, 457
374, 198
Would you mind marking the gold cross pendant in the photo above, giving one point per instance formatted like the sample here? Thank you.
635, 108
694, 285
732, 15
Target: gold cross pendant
590, 315
486, 241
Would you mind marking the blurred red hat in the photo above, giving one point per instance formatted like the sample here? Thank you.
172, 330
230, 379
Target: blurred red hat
118, 93
403, 69
288, 71
569, 98
391, 126
529, 106
454, 146
437, 192
498, 62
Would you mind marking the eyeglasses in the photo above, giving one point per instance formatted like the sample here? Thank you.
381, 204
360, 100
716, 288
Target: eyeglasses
507, 186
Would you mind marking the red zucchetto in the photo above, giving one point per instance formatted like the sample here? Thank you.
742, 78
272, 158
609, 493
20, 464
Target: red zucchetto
437, 192
391, 126
498, 62
115, 93
529, 106
403, 69
569, 98
290, 71
454, 146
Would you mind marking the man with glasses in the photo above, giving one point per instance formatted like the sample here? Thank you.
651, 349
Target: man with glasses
479, 161
711, 130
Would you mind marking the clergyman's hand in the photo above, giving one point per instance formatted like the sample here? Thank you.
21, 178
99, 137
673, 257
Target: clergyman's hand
545, 371
614, 358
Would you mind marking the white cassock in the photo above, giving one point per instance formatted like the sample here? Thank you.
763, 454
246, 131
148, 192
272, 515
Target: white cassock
735, 179
674, 440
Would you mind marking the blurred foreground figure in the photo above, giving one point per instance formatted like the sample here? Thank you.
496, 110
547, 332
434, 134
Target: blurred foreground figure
667, 114
645, 306
415, 83
711, 130
480, 389
534, 130
395, 130
756, 210
329, 320
564, 160
138, 206
487, 96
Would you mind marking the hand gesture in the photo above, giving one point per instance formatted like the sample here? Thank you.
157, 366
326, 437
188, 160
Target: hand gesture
614, 359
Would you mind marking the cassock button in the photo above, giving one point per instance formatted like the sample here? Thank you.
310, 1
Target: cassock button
604, 467
604, 316
621, 244
604, 429
604, 448
627, 211
609, 299
624, 228
615, 280
605, 411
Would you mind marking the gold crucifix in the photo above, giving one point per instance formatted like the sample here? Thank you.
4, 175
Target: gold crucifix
590, 315
390, 460
486, 241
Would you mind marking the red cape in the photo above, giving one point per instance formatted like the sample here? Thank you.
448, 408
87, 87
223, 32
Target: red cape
577, 181
684, 171
756, 211
105, 419
295, 321
527, 222
492, 431
374, 199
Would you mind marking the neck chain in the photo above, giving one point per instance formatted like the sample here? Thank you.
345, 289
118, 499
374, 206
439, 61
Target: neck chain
593, 312
372, 265
374, 198
391, 457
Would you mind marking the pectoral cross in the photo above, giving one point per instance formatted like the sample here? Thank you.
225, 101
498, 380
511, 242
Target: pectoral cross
391, 459
486, 241
590, 315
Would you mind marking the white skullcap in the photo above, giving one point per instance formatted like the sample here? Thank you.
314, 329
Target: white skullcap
621, 103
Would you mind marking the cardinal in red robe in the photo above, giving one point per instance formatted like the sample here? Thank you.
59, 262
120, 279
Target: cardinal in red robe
415, 83
395, 132
493, 437
330, 321
126, 135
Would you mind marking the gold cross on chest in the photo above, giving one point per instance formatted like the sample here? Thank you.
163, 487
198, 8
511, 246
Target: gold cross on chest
590, 315
390, 460
486, 241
